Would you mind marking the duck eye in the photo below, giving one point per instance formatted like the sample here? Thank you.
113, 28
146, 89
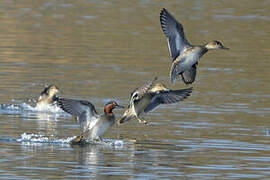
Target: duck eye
135, 96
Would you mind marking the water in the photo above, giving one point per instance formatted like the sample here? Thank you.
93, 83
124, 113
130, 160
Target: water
102, 50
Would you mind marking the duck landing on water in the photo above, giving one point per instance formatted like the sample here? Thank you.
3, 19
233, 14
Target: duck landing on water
92, 124
48, 96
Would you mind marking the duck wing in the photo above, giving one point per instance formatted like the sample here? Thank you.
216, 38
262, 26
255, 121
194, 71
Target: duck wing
188, 76
167, 97
84, 110
174, 32
142, 90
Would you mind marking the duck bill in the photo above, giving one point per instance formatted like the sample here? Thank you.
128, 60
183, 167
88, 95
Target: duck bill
119, 107
225, 48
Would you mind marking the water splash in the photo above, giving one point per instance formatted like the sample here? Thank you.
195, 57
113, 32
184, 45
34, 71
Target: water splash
45, 108
107, 142
38, 139
24, 107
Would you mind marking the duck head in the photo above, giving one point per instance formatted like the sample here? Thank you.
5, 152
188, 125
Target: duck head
130, 111
51, 90
215, 45
110, 106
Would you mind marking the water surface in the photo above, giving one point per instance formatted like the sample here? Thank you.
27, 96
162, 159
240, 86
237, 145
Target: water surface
102, 50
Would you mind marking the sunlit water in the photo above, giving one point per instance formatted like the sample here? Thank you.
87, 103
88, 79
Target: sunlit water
102, 50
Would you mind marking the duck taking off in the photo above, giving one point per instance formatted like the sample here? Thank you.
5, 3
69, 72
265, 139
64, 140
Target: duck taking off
48, 95
184, 55
92, 124
148, 97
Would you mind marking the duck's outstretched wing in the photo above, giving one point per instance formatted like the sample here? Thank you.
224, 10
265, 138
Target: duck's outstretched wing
174, 32
77, 107
188, 76
168, 97
84, 110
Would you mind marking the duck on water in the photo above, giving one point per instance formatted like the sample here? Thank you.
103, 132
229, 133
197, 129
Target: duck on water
48, 96
92, 124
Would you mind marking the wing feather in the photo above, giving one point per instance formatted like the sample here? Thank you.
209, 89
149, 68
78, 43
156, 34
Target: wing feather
82, 109
174, 32
168, 97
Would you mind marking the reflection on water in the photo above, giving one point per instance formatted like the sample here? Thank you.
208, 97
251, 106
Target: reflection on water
100, 50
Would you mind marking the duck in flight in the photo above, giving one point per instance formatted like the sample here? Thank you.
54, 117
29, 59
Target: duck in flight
184, 55
92, 124
147, 97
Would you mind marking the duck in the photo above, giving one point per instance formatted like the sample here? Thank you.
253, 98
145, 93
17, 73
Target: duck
92, 124
149, 96
184, 56
48, 95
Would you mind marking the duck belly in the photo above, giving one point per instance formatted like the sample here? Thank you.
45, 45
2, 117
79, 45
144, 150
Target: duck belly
100, 129
187, 61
